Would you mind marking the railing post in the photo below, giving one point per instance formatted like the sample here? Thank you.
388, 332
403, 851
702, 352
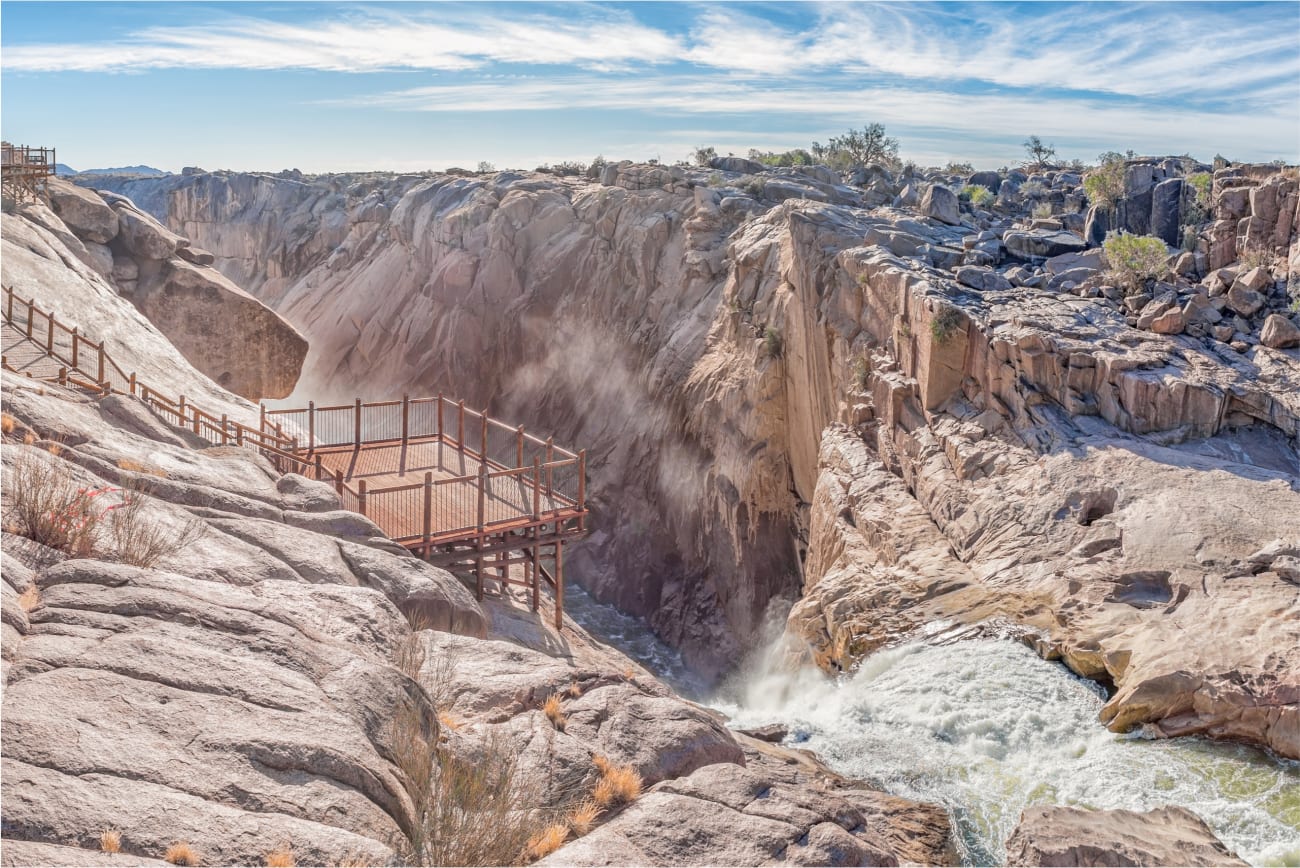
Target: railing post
49, 336
361, 496
428, 510
63, 376
30, 307
357, 440
130, 382
535, 563
582, 488
460, 428
406, 418
482, 505
10, 299
483, 423
519, 444
559, 585
338, 482
224, 437
180, 409
550, 471
440, 415
261, 419
76, 340
319, 468
311, 426
99, 376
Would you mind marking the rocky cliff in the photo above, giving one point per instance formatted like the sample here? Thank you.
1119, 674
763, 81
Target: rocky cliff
876, 396
222, 663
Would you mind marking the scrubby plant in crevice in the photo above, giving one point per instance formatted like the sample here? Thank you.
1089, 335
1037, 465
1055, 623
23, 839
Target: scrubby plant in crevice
772, 344
1104, 185
45, 504
1135, 259
946, 323
977, 194
618, 784
137, 539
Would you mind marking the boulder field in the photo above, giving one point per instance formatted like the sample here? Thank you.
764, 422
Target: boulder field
862, 396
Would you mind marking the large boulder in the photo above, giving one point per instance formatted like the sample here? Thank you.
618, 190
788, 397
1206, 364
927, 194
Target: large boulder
1037, 244
144, 237
1166, 204
1279, 333
737, 164
1063, 836
940, 203
992, 180
87, 215
222, 330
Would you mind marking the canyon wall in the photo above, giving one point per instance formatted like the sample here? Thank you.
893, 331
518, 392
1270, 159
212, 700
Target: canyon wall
790, 390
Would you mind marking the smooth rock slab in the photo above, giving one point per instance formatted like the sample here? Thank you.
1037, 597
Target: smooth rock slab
1042, 244
1062, 836
87, 215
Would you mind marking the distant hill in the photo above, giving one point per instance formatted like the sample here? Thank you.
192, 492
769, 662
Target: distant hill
62, 169
148, 171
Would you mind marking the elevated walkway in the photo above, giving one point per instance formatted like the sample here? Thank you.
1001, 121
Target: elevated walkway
458, 488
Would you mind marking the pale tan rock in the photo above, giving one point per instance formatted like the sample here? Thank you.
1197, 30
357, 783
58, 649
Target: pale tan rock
1063, 836
86, 214
1279, 332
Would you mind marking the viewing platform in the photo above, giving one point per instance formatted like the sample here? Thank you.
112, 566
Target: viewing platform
24, 170
460, 489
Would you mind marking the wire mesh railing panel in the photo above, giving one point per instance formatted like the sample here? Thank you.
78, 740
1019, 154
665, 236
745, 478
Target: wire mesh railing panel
454, 506
422, 417
381, 421
335, 426
399, 511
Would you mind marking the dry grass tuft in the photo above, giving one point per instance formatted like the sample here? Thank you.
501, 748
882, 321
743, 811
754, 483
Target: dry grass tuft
554, 711
584, 817
7, 423
181, 853
575, 690
602, 764
142, 541
141, 467
618, 785
30, 598
110, 840
282, 858
449, 720
546, 842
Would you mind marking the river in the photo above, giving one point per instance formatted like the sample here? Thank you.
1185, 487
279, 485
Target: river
985, 728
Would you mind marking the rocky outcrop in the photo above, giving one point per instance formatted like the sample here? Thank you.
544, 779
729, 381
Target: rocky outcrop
1064, 836
703, 339
227, 334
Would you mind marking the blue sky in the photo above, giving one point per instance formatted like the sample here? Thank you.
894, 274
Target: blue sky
412, 86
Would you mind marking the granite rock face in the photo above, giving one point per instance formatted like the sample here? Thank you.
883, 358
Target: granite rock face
1060, 836
221, 330
747, 331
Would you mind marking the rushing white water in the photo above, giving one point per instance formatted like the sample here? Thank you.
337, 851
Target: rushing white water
985, 728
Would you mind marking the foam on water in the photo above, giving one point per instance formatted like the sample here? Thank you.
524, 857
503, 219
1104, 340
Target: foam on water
985, 728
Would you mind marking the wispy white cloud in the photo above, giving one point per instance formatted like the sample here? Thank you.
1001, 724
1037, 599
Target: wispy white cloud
368, 42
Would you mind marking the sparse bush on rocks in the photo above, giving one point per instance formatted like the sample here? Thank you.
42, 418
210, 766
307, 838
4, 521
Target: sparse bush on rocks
618, 785
554, 711
1042, 211
110, 841
547, 841
45, 504
584, 817
704, 155
946, 323
977, 194
1135, 259
772, 343
1104, 185
141, 541
181, 853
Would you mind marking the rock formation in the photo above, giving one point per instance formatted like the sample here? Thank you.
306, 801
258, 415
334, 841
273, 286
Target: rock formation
224, 332
791, 387
1059, 836
247, 688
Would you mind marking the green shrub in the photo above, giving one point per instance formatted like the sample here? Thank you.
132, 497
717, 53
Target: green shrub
703, 155
946, 323
1104, 185
1033, 189
1042, 212
977, 194
1135, 259
1201, 182
772, 342
956, 168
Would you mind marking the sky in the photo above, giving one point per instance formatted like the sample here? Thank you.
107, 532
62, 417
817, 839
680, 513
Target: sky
415, 86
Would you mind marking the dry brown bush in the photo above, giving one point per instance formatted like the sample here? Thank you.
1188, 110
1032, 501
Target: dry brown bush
45, 504
110, 841
142, 541
554, 711
547, 841
282, 858
7, 423
181, 853
618, 785
583, 818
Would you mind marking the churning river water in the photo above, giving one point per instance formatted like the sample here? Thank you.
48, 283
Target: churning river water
985, 728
